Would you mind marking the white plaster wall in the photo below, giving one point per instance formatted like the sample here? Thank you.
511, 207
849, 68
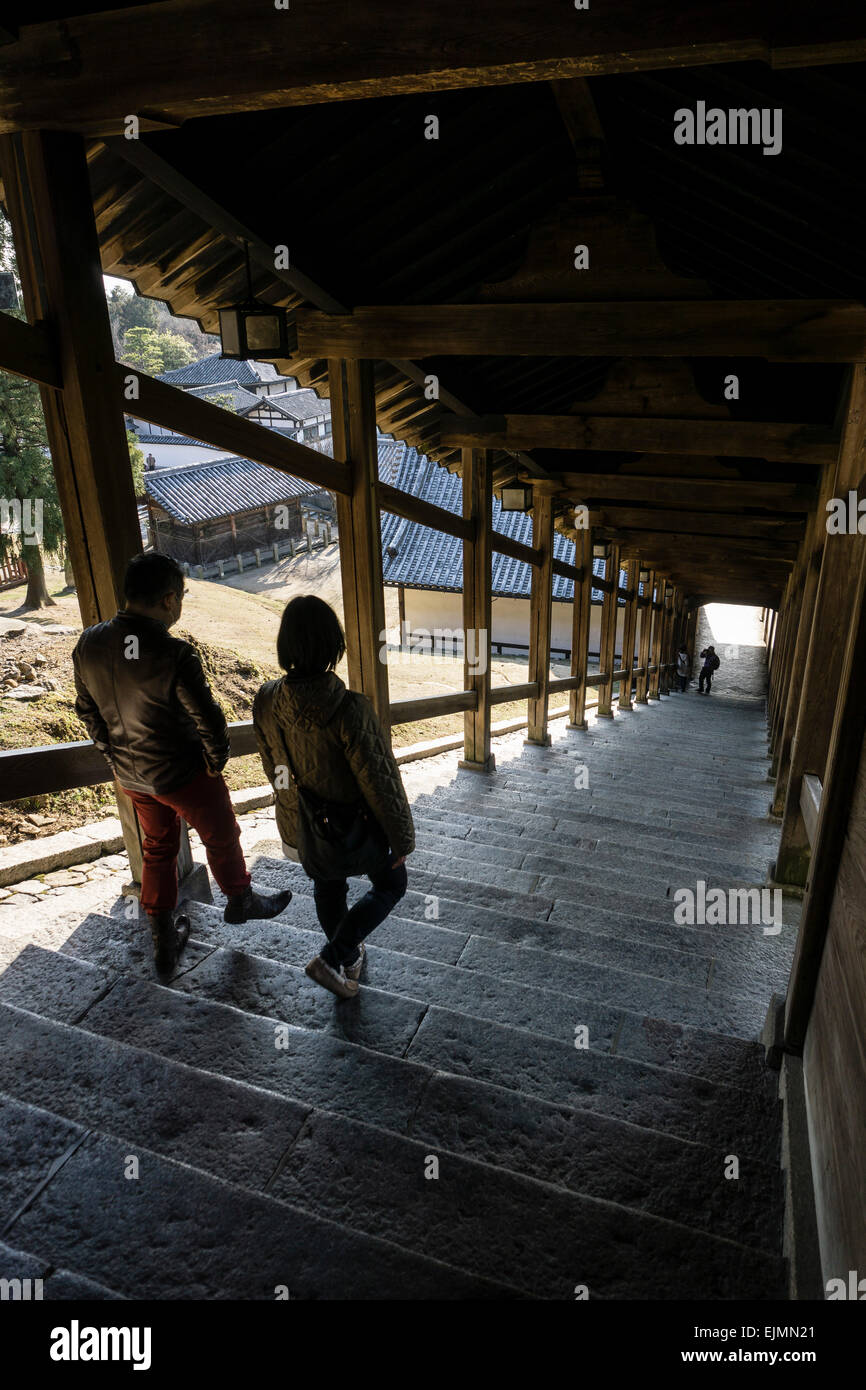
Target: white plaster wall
430, 608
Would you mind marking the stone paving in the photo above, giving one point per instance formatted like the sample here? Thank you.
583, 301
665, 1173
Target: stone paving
546, 1081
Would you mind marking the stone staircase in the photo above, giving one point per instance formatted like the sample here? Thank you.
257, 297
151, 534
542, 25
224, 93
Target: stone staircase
239, 1132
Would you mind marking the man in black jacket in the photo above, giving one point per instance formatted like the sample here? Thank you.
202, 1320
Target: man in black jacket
147, 706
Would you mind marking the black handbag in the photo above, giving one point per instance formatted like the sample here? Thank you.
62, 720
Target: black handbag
336, 839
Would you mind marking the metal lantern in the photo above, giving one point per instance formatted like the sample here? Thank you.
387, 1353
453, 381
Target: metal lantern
516, 497
253, 329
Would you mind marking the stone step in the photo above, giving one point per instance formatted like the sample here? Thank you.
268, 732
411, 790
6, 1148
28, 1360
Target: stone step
174, 1232
616, 855
741, 958
399, 988
629, 793
501, 995
613, 849
641, 1092
581, 862
758, 837
374, 1180
596, 817
56, 1284
581, 1151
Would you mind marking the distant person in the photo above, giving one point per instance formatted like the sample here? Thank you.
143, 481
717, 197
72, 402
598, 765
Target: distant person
684, 667
710, 666
147, 706
341, 806
150, 463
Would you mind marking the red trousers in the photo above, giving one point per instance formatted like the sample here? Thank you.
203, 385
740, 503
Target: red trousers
205, 804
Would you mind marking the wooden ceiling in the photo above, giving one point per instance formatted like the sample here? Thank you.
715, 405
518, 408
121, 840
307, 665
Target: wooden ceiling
608, 385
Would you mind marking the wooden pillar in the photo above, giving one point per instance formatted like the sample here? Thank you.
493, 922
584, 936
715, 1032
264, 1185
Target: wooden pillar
580, 629
607, 642
477, 581
834, 603
48, 197
643, 658
47, 194
629, 632
783, 670
833, 832
657, 608
353, 415
540, 615
812, 553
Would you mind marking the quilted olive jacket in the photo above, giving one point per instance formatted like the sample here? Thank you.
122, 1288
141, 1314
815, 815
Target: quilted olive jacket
338, 750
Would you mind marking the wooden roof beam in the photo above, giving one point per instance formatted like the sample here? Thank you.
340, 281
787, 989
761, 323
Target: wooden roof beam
179, 59
781, 443
781, 330
691, 523
688, 493
650, 543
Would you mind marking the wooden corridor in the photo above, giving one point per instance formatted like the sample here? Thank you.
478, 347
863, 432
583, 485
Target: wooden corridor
681, 409
558, 1164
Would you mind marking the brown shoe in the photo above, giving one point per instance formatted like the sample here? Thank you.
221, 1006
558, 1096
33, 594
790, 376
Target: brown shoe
353, 972
334, 980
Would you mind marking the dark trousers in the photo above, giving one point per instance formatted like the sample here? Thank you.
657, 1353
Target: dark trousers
705, 676
684, 683
205, 804
346, 930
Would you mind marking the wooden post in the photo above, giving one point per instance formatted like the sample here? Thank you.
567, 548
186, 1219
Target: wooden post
629, 631
477, 582
353, 413
401, 612
643, 660
833, 833
657, 608
834, 603
812, 551
607, 640
48, 197
540, 616
580, 629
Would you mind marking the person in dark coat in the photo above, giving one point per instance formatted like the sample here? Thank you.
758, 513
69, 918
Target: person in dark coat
145, 701
340, 753
711, 665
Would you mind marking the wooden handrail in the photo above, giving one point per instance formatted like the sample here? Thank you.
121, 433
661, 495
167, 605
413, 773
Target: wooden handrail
65, 766
432, 706
503, 694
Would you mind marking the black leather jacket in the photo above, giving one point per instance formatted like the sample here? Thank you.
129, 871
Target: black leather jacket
145, 700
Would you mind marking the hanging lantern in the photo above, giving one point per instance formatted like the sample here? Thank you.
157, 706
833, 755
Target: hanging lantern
643, 576
600, 550
516, 497
253, 329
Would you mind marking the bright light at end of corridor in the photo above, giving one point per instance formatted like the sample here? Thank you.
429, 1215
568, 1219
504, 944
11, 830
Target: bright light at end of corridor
734, 623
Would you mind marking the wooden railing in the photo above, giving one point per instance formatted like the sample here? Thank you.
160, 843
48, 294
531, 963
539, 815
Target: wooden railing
58, 767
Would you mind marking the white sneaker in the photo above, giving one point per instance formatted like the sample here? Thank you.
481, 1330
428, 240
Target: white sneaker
334, 980
353, 972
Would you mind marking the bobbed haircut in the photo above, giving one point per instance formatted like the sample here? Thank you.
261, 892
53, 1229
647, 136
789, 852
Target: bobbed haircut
311, 639
149, 577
